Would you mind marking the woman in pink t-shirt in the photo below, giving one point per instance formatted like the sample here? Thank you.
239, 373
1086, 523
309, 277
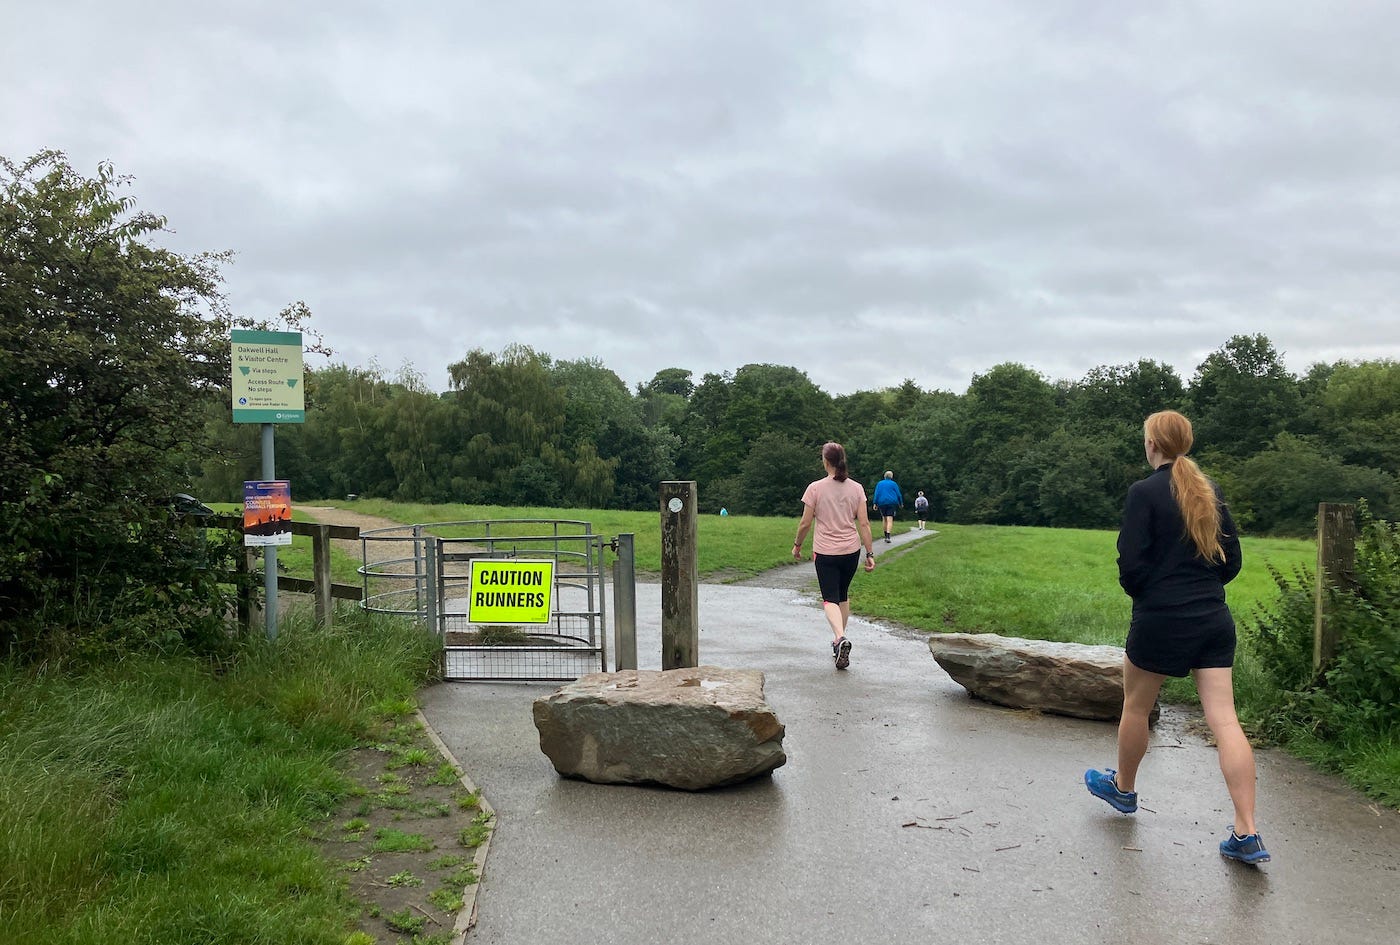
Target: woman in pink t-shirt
836, 506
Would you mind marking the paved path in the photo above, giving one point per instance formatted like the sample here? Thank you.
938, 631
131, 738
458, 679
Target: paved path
907, 813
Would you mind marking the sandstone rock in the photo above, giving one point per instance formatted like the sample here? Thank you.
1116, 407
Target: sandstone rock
1064, 678
686, 728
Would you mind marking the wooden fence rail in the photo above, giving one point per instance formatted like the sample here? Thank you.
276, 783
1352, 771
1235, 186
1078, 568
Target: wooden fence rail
320, 586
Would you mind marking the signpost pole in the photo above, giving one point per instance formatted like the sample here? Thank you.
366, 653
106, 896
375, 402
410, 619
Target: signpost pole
266, 387
269, 551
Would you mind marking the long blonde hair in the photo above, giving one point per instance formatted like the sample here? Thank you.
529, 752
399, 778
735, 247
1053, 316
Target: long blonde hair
1194, 495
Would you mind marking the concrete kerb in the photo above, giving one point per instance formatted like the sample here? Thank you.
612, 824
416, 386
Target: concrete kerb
466, 916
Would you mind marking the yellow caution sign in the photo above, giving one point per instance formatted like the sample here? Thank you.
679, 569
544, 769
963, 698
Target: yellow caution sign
511, 591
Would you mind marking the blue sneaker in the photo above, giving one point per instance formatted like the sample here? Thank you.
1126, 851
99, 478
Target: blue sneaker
1101, 784
1247, 849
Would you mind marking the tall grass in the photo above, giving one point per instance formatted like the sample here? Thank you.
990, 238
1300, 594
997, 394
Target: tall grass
156, 800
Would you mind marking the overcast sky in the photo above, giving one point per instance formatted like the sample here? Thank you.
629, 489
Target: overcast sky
867, 191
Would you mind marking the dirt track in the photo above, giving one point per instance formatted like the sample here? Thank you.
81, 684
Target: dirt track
332, 515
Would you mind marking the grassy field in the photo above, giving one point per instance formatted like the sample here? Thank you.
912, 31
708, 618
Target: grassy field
1041, 583
1046, 583
731, 545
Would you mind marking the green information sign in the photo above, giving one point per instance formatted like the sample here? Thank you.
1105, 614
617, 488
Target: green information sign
267, 377
512, 591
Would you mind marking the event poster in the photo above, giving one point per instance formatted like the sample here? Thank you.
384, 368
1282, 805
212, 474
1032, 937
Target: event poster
267, 512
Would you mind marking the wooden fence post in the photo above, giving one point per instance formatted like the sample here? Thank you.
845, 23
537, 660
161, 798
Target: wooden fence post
1336, 565
680, 577
249, 607
321, 574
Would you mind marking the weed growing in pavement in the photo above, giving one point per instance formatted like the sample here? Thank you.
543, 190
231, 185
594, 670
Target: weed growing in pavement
406, 920
447, 898
476, 833
415, 757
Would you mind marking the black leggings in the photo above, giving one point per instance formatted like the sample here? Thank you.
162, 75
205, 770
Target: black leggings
834, 574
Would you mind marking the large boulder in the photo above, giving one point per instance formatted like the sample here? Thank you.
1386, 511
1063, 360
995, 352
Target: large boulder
1064, 678
689, 728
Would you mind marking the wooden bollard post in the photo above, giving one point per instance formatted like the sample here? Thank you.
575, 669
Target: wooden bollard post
625, 603
1336, 567
680, 577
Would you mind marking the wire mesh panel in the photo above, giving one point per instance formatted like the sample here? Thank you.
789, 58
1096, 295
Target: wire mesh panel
435, 584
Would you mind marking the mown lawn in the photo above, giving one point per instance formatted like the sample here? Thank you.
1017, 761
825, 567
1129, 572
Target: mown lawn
1041, 583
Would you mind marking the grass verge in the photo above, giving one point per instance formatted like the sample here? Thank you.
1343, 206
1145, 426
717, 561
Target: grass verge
165, 800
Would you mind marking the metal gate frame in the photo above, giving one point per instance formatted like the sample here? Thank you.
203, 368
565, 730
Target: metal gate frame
571, 645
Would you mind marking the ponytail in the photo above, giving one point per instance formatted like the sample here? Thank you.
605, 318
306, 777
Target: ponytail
1194, 494
1200, 509
835, 455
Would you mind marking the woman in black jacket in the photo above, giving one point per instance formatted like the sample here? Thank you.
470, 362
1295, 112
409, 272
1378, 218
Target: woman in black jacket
1177, 549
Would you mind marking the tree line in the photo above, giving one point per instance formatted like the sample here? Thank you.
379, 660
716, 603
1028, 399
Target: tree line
114, 397
519, 428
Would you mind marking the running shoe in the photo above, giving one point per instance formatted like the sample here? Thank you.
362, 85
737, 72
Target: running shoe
1102, 785
843, 653
1246, 849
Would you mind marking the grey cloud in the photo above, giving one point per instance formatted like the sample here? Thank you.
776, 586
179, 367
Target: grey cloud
1063, 183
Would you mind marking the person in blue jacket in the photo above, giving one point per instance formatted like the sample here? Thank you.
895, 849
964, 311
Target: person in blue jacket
1177, 549
888, 500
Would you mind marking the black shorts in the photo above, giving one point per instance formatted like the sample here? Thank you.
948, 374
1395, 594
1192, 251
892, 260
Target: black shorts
922, 513
1173, 646
888, 511
834, 574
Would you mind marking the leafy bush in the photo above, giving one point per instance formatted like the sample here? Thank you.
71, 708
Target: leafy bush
1359, 692
109, 345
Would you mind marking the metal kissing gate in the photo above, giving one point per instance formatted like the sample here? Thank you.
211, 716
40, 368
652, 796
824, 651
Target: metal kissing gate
426, 571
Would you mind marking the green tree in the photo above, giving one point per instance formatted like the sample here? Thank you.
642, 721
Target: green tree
1359, 416
345, 431
512, 416
1078, 481
597, 404
775, 474
108, 344
1110, 398
1242, 397
1278, 489
859, 412
663, 398
759, 399
1009, 411
416, 439
700, 432
1010, 402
